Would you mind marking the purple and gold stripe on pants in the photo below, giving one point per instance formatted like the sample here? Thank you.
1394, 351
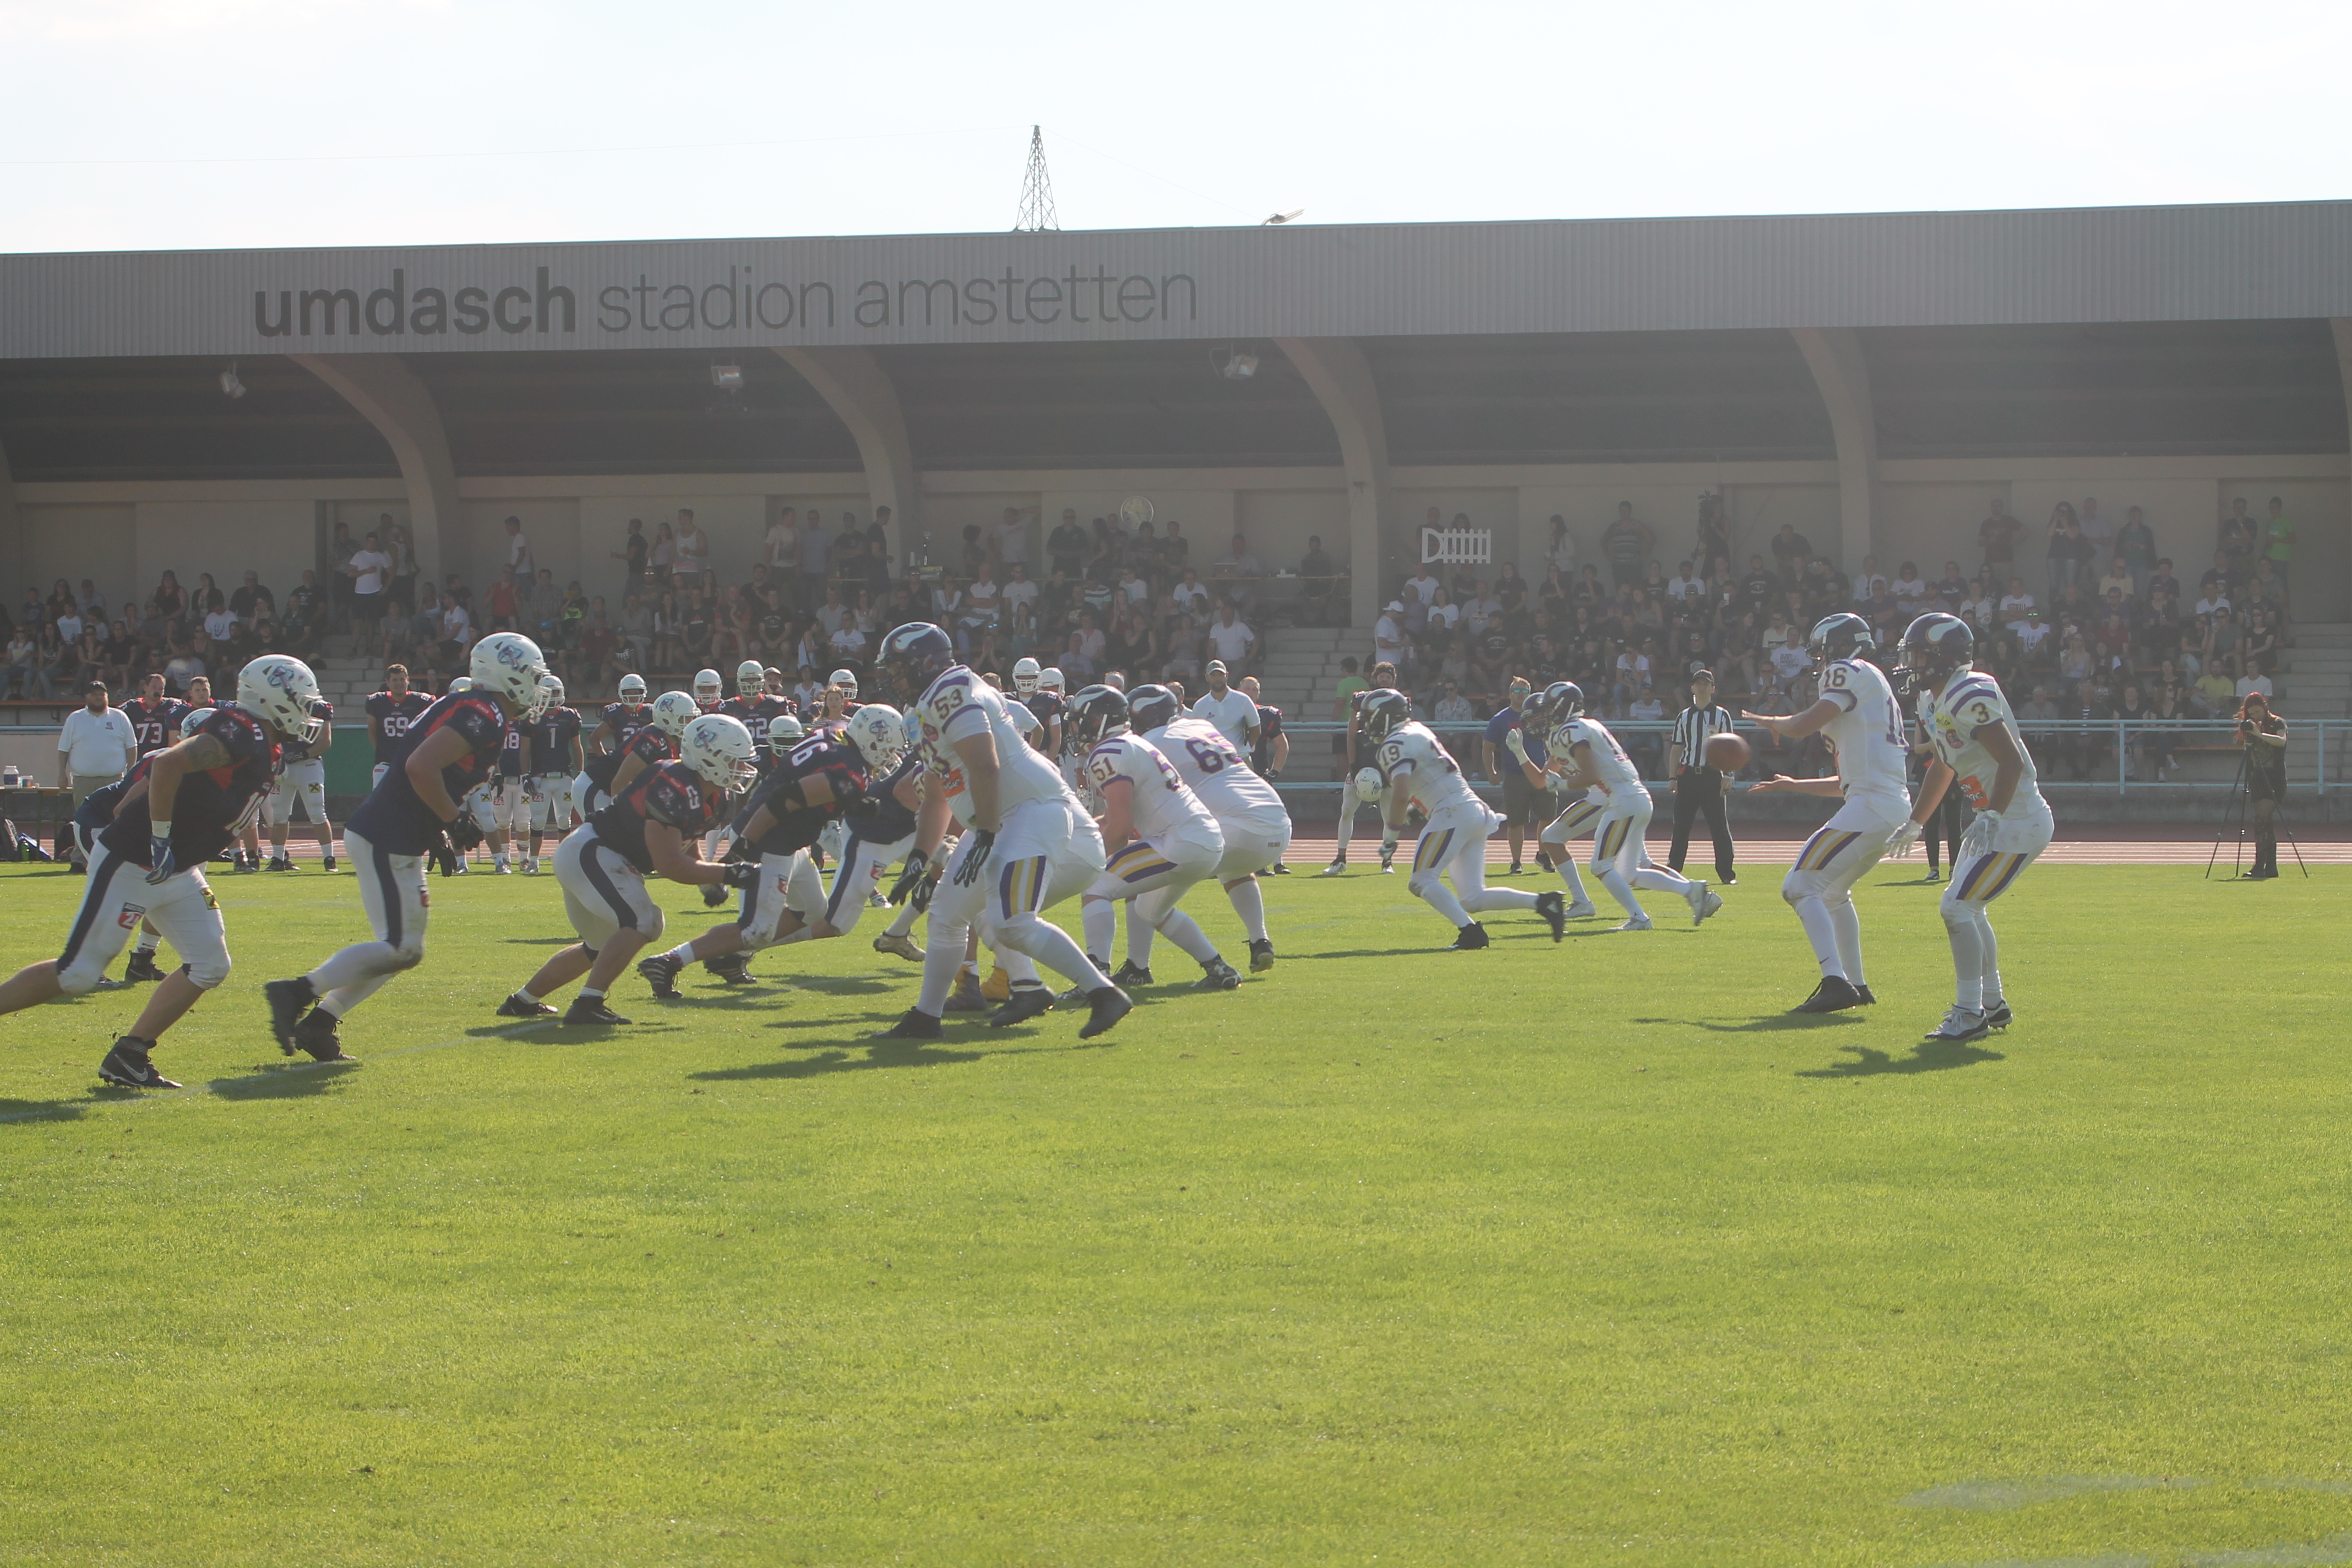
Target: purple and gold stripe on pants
1134, 862
1825, 847
1431, 853
1987, 878
1020, 886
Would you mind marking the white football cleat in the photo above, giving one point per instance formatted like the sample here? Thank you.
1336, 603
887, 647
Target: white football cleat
1582, 909
1959, 1026
1333, 869
1640, 924
1703, 903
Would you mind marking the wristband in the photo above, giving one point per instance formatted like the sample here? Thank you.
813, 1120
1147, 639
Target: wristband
159, 829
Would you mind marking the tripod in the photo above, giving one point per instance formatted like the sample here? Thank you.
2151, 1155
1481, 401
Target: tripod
2236, 816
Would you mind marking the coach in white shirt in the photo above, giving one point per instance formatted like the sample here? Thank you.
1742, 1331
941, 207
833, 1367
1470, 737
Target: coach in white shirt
96, 746
1234, 714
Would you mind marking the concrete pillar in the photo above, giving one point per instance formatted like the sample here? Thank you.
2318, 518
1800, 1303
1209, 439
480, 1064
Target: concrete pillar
398, 405
1341, 377
858, 390
2336, 602
1843, 376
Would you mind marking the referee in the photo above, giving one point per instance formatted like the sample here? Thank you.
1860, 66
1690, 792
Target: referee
1698, 786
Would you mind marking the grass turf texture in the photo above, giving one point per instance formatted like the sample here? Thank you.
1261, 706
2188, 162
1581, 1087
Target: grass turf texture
1547, 1254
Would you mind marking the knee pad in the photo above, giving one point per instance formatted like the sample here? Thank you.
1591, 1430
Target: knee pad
80, 979
410, 953
1419, 883
1955, 912
208, 973
1017, 932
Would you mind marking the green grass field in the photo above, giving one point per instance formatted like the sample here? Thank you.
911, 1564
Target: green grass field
1576, 1254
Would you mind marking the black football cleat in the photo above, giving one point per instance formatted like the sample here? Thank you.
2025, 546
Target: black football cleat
1026, 1002
1553, 907
1218, 976
316, 1034
127, 1067
330, 863
661, 971
1867, 999
734, 968
1261, 956
1997, 1016
1107, 1006
914, 1024
141, 967
521, 1006
1131, 974
1469, 939
288, 1000
589, 1012
1833, 994
1543, 862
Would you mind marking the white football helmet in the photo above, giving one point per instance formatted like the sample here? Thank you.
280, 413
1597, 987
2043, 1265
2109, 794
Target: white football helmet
673, 711
718, 747
784, 732
632, 688
550, 694
459, 683
1367, 784
751, 679
1050, 678
879, 735
707, 688
510, 666
844, 679
280, 689
1025, 674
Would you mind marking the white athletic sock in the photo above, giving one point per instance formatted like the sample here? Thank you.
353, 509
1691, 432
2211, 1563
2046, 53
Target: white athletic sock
683, 953
1019, 968
1050, 945
527, 995
942, 956
1098, 917
1822, 932
1658, 879
1347, 816
590, 993
1968, 960
902, 920
1993, 993
1441, 898
1185, 932
1249, 902
1846, 921
1565, 864
363, 960
145, 946
1139, 938
1622, 892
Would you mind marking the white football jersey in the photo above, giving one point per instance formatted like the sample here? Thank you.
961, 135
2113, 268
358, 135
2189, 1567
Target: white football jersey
1435, 781
1971, 701
1219, 774
1620, 781
1025, 722
1868, 734
959, 705
1163, 808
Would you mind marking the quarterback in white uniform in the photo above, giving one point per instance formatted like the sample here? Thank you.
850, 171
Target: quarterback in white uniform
1453, 846
1166, 838
1980, 753
1028, 845
1250, 815
1615, 809
1858, 712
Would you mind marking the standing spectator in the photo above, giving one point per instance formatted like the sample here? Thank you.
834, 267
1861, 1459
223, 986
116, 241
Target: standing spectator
2136, 544
96, 746
1626, 542
877, 548
403, 551
816, 552
636, 555
1997, 537
1790, 551
661, 561
1559, 548
519, 559
370, 571
2278, 536
545, 609
341, 548
2098, 531
1068, 546
1012, 536
2238, 536
691, 552
2067, 550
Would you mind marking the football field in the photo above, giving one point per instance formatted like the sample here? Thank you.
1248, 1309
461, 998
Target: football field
1570, 1254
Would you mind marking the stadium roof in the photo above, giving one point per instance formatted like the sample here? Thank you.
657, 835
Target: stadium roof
2138, 330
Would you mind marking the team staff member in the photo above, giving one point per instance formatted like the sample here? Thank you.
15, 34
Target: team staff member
390, 712
1523, 803
97, 747
412, 812
1699, 783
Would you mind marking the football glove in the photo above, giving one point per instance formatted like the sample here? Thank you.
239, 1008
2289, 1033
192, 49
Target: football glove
910, 877
713, 894
1515, 743
923, 892
983, 839
159, 856
1978, 839
1905, 838
741, 874
465, 834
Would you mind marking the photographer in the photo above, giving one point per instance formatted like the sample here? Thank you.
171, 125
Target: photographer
2263, 734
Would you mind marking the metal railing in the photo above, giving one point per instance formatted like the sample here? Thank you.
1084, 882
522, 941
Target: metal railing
2077, 754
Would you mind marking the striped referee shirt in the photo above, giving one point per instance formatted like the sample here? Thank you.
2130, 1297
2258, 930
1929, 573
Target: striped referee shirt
1694, 727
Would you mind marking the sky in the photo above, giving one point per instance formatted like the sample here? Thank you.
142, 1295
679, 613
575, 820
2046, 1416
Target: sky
170, 124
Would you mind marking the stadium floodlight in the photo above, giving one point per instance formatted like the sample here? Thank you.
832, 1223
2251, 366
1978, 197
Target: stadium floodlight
727, 377
1236, 365
1280, 218
229, 384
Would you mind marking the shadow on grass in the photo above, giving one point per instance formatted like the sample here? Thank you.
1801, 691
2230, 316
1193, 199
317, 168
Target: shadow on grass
1769, 1023
1930, 1056
32, 1112
879, 1053
540, 940
847, 985
290, 1082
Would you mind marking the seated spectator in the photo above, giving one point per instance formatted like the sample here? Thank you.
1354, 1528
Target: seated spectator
2016, 604
1231, 640
1870, 582
1388, 636
1183, 653
184, 670
25, 668
1236, 571
504, 601
2212, 695
1910, 591
1952, 587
